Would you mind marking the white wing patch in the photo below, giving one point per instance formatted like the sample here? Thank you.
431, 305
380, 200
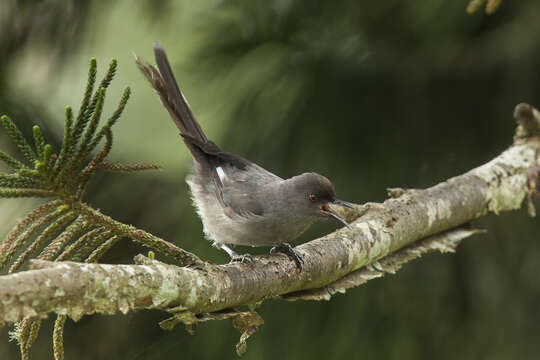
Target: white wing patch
221, 174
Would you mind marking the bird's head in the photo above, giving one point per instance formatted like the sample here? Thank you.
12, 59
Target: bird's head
317, 194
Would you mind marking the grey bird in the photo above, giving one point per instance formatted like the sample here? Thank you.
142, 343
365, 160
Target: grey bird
239, 202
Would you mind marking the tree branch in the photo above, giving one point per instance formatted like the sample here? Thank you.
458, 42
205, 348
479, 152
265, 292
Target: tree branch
384, 237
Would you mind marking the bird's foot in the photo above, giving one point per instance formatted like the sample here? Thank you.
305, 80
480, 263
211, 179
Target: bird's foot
287, 249
243, 258
235, 257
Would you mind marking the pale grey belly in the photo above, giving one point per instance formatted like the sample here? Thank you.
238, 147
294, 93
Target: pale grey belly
250, 230
253, 231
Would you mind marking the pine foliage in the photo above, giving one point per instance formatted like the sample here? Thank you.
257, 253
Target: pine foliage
64, 227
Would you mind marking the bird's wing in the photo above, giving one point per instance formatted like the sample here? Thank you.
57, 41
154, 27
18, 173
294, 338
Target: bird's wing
236, 179
241, 188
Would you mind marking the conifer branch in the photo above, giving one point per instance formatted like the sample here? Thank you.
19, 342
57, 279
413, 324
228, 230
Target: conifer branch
17, 181
33, 331
26, 334
17, 238
23, 224
86, 239
44, 238
12, 162
18, 138
35, 193
39, 142
153, 242
58, 337
91, 244
103, 248
80, 123
54, 248
105, 165
66, 228
68, 124
112, 120
91, 168
47, 161
50, 165
91, 129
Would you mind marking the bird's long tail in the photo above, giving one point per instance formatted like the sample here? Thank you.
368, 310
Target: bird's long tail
163, 81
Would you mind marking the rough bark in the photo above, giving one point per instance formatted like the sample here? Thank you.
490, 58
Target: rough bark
383, 237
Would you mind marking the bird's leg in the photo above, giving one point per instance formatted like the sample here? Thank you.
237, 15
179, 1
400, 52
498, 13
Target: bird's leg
244, 258
289, 251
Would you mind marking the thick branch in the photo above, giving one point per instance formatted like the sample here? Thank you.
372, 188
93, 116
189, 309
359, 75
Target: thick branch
331, 263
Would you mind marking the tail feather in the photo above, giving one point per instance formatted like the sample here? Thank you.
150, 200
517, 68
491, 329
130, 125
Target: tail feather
173, 100
164, 83
177, 98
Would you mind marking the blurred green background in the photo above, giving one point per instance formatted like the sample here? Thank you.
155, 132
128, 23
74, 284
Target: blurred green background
372, 94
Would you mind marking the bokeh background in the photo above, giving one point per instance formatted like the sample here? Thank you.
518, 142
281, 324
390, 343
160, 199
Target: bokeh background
372, 94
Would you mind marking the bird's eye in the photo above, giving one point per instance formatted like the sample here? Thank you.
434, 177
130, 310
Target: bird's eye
313, 198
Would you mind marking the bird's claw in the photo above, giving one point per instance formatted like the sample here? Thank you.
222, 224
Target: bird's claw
242, 258
287, 249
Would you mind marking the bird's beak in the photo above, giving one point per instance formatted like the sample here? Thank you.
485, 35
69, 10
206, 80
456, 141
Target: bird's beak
327, 210
343, 203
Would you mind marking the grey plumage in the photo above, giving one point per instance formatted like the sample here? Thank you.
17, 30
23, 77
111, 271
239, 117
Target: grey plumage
239, 202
